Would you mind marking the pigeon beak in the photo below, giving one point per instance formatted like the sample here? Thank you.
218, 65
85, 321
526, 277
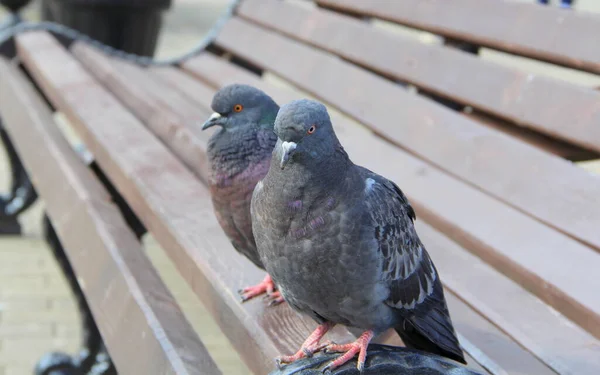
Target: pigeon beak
214, 119
288, 149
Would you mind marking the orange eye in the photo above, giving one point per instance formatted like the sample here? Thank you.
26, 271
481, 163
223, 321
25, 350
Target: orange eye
312, 129
238, 108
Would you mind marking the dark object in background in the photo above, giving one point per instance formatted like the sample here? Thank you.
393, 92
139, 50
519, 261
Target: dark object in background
14, 5
381, 360
129, 25
563, 3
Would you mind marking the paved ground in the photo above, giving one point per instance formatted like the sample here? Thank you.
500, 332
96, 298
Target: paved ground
37, 313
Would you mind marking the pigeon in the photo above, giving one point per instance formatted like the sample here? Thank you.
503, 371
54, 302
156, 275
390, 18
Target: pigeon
239, 154
340, 243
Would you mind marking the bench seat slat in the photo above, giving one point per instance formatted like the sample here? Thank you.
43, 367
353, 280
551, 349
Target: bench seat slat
144, 329
481, 156
534, 325
509, 93
544, 33
173, 204
183, 140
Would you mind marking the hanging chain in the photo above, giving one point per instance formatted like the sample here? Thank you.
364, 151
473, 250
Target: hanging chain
56, 28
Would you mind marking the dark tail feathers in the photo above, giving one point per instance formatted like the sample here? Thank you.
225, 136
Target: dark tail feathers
432, 333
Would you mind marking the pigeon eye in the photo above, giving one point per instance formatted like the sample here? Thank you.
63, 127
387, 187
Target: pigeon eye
312, 129
238, 108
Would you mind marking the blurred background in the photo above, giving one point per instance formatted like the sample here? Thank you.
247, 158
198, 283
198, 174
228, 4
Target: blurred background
37, 312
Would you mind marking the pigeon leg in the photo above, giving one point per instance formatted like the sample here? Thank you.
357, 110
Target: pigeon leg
266, 286
350, 350
309, 347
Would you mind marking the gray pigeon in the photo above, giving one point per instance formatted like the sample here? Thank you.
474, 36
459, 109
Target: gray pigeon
340, 243
239, 155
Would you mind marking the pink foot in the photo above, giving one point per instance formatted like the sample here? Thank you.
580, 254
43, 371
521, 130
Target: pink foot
350, 350
309, 347
264, 287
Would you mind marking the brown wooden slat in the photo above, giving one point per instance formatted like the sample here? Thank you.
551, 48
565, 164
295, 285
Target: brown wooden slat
545, 332
173, 204
180, 131
199, 92
540, 141
552, 107
171, 103
544, 33
510, 170
144, 329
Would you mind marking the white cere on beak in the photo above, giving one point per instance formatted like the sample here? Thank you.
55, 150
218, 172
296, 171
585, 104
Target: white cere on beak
214, 116
287, 148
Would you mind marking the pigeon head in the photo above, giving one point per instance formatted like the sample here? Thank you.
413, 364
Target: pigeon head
237, 106
305, 133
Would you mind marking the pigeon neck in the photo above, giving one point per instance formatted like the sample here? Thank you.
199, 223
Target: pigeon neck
305, 171
230, 153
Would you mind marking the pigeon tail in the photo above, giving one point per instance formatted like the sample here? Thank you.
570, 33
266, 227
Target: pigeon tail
433, 333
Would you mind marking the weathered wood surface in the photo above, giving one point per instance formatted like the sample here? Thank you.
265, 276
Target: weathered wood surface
173, 204
551, 145
171, 103
544, 33
142, 325
530, 100
515, 243
479, 286
477, 154
185, 141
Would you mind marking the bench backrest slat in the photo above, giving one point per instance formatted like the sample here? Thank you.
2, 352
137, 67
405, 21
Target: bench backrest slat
530, 100
485, 158
544, 33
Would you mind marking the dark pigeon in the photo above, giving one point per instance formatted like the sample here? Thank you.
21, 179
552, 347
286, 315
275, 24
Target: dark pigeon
340, 243
239, 155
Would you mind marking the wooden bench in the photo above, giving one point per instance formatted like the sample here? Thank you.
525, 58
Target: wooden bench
483, 150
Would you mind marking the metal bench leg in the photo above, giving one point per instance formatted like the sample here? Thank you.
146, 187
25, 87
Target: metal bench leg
93, 357
22, 194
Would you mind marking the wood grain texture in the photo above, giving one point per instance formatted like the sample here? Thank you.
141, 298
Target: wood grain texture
544, 33
543, 331
172, 106
553, 107
547, 187
144, 329
173, 204
553, 146
180, 130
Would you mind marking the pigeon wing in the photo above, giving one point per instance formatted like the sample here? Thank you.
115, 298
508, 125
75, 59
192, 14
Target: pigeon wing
414, 285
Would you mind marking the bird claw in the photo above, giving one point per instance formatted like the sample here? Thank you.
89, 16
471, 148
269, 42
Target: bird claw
279, 363
307, 352
274, 298
266, 287
325, 345
349, 351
